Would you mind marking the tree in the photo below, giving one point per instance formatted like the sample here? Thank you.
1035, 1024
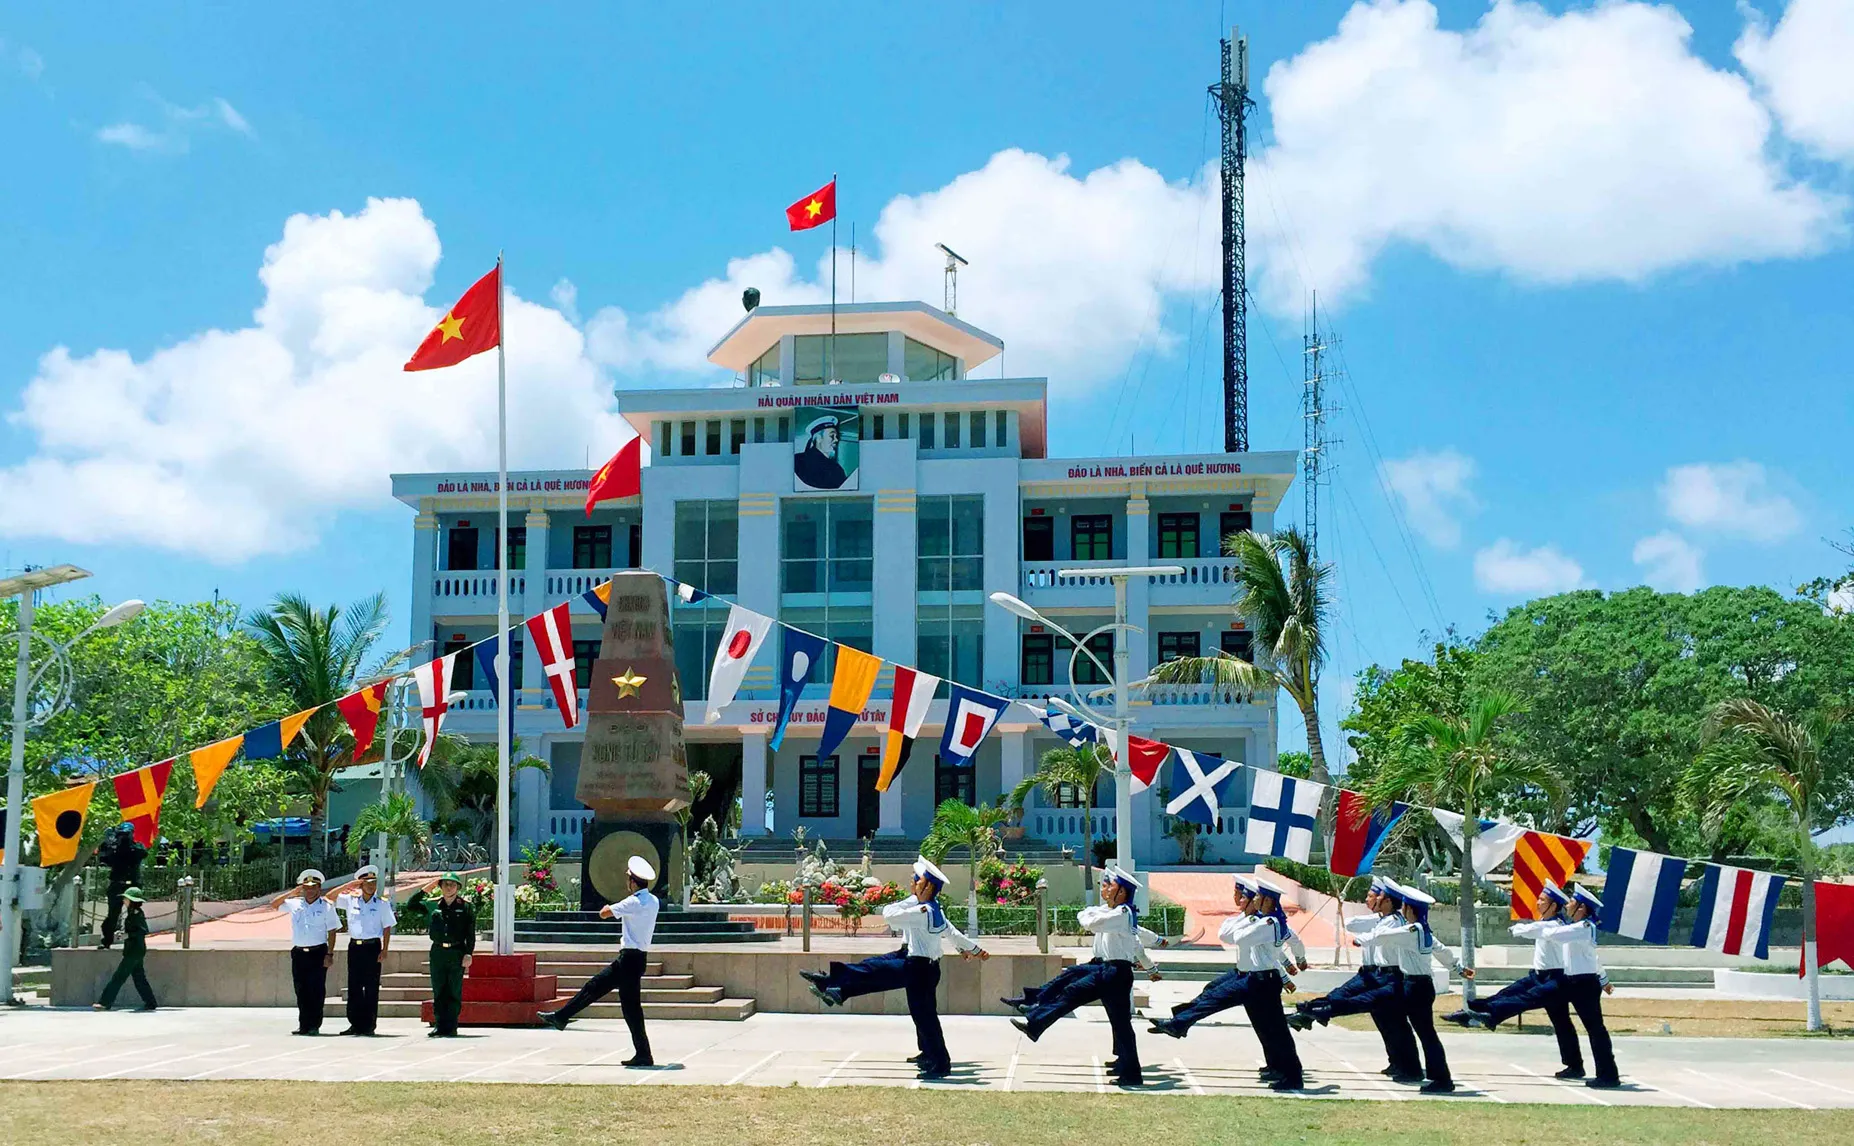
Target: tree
460, 780
1465, 768
397, 819
1751, 750
959, 825
1384, 728
1063, 773
1296, 764
1282, 595
315, 657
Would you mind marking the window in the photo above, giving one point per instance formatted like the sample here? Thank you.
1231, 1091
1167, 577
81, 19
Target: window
1039, 662
708, 545
817, 787
1234, 521
1238, 643
688, 440
759, 430
1178, 535
840, 624
460, 549
978, 429
950, 439
584, 653
1039, 539
856, 359
1175, 645
592, 547
463, 669
1091, 536
1085, 671
951, 642
828, 545
714, 437
1069, 796
953, 782
1002, 424
663, 438
765, 369
518, 547
928, 422
901, 426
736, 435
696, 631
785, 428
950, 542
922, 363
880, 427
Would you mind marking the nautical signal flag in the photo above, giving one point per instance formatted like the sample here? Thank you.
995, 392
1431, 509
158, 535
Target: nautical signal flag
60, 818
434, 686
1358, 833
907, 711
1834, 923
740, 642
1144, 758
362, 712
622, 476
815, 209
801, 654
269, 741
1201, 781
1282, 811
209, 763
1640, 894
1077, 732
552, 632
469, 328
139, 793
599, 597
850, 687
1735, 910
970, 715
1538, 857
1494, 842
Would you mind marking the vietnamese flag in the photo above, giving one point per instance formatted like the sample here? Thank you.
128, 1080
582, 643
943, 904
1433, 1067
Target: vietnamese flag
815, 209
469, 328
622, 476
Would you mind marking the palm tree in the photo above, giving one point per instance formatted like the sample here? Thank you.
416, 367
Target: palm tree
315, 657
398, 820
1749, 750
1061, 773
1286, 609
1466, 768
460, 780
960, 825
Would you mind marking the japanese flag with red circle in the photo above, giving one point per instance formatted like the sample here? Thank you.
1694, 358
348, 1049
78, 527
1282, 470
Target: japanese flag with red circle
746, 632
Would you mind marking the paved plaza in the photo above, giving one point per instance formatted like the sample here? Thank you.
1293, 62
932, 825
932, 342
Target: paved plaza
856, 1050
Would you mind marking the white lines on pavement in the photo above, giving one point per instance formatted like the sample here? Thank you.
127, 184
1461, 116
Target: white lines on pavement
1682, 1097
582, 1066
1813, 1082
1581, 1090
1189, 1081
1747, 1086
1100, 1075
105, 1058
1376, 1080
248, 1062
1010, 1075
510, 1061
745, 1074
182, 1058
410, 1065
662, 1077
838, 1069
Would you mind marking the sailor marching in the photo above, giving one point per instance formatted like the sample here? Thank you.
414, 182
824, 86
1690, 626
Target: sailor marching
1376, 988
1537, 988
1413, 949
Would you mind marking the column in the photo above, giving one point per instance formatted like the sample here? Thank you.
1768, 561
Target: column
753, 779
1139, 589
1014, 765
534, 600
532, 798
424, 565
891, 823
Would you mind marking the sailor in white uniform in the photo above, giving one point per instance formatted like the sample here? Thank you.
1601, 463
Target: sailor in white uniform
1585, 984
638, 914
1414, 949
1231, 989
313, 924
914, 967
1541, 987
1374, 989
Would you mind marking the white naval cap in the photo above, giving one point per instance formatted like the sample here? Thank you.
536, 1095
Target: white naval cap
1263, 887
1246, 882
640, 868
1378, 882
1121, 876
925, 869
369, 870
1555, 893
1587, 897
310, 875
1420, 898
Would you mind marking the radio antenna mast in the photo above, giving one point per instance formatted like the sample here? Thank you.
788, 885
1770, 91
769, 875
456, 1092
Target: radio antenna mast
1233, 104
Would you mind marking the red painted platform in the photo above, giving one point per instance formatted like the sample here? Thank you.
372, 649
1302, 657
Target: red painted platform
503, 991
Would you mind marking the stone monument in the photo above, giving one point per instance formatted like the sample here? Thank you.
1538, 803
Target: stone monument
633, 771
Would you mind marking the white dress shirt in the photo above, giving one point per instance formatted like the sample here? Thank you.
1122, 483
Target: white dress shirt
1577, 945
638, 911
1117, 935
1292, 942
1545, 956
1256, 941
1403, 948
911, 920
1368, 932
367, 918
310, 921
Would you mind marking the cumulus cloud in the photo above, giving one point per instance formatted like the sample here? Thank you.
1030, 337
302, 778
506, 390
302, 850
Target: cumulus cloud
1588, 144
1670, 563
175, 125
21, 59
238, 442
1801, 68
1433, 488
1508, 570
1734, 499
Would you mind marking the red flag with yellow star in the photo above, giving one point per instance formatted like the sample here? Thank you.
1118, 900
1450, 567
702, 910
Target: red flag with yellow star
620, 477
815, 209
471, 327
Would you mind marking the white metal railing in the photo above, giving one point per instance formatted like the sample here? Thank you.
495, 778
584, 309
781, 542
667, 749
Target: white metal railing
476, 700
573, 582
1047, 574
449, 586
567, 827
1201, 695
1065, 825
1198, 571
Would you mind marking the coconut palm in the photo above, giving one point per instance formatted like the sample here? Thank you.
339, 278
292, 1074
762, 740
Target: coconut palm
1282, 596
315, 657
1066, 772
1467, 769
398, 820
460, 780
1749, 750
959, 825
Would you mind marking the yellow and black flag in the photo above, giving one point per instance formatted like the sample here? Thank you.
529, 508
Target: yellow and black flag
60, 818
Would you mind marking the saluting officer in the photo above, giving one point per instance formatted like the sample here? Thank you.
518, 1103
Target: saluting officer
638, 912
914, 968
1541, 987
370, 934
313, 924
1414, 947
453, 939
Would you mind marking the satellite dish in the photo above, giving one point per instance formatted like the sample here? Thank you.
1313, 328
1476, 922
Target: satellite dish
889, 379
750, 298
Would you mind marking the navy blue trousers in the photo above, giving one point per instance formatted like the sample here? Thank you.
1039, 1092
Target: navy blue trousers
1536, 990
1417, 1000
1109, 984
1377, 991
1262, 1002
1230, 989
919, 977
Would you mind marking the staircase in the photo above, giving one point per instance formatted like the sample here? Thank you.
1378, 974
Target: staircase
405, 996
883, 850
674, 925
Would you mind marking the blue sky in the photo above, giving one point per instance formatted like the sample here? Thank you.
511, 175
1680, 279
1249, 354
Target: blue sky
1590, 266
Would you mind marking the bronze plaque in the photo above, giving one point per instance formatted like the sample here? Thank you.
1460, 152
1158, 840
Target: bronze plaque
633, 760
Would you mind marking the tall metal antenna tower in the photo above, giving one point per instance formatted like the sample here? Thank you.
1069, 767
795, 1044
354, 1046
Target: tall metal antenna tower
1233, 104
1313, 413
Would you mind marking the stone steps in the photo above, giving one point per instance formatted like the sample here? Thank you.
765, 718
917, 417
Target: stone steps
557, 977
674, 925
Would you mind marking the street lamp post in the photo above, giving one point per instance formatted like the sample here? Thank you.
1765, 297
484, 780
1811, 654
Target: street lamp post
1119, 721
25, 586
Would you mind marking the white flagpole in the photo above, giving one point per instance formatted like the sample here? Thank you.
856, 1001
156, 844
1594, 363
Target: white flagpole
505, 893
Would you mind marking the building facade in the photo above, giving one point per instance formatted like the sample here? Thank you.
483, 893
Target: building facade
878, 510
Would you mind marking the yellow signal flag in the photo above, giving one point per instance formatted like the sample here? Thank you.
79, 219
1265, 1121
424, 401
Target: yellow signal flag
209, 764
291, 725
60, 817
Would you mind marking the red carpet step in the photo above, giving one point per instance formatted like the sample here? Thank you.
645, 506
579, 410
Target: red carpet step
504, 991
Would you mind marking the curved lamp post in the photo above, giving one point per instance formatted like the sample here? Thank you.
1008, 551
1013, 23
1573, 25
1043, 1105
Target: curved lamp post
28, 715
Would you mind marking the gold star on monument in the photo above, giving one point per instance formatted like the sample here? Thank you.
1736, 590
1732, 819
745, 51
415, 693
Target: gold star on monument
452, 326
629, 683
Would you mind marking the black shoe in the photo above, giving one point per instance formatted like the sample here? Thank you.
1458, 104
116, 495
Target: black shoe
1015, 1002
1167, 1027
1439, 1086
1287, 1084
300, 1031
1407, 1077
1603, 1083
917, 1059
1111, 1066
937, 1070
1300, 1021
1023, 1029
1570, 1072
553, 1019
1129, 1080
428, 1034
1267, 1074
815, 978
351, 1031
640, 1060
144, 1010
1388, 1071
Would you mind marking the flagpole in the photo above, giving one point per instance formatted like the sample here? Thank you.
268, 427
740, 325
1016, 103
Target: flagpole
505, 894
830, 367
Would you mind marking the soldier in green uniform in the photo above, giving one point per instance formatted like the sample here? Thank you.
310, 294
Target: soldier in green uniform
134, 954
453, 939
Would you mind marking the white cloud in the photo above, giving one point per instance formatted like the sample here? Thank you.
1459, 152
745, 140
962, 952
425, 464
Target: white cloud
1801, 68
1434, 490
1591, 144
133, 136
238, 442
1670, 563
177, 125
1504, 568
1730, 498
228, 115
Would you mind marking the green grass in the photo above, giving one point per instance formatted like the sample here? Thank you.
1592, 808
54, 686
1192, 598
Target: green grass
267, 1113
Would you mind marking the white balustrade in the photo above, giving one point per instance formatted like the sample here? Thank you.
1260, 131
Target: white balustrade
1198, 571
572, 582
567, 827
1198, 695
451, 586
1047, 574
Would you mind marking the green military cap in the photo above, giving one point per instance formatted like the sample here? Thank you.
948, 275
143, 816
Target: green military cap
134, 895
451, 877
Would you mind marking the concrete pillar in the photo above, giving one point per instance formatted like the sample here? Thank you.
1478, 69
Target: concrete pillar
424, 565
536, 599
753, 781
1139, 589
891, 824
1015, 763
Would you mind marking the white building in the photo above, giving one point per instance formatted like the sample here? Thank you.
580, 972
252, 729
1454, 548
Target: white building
948, 493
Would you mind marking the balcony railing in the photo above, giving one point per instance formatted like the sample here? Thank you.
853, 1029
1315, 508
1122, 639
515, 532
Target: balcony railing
572, 582
1198, 571
454, 585
1047, 574
567, 827
1205, 695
